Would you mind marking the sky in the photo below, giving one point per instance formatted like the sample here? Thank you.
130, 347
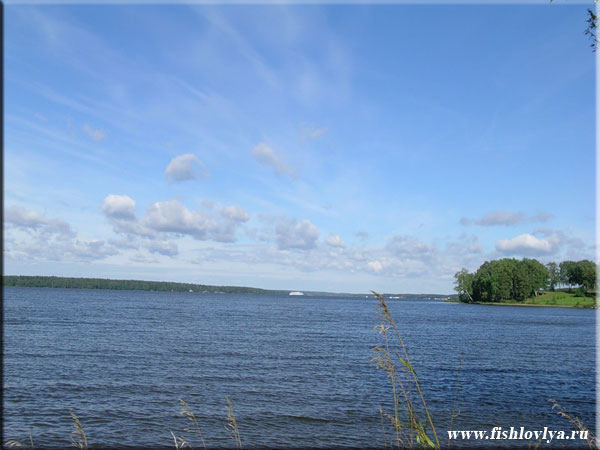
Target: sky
337, 148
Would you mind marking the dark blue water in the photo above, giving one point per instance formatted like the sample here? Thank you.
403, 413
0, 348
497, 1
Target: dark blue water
297, 369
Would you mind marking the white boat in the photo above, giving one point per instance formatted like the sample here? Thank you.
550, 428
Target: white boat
296, 293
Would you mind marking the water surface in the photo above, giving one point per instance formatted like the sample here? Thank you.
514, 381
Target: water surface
297, 369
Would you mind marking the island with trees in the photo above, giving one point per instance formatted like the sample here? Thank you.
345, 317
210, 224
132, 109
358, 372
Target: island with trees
529, 282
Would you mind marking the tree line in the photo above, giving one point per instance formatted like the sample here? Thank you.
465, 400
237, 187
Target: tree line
101, 283
511, 279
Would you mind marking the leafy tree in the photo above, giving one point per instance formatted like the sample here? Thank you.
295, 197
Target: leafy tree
494, 280
567, 271
553, 275
590, 31
534, 277
585, 275
505, 279
464, 285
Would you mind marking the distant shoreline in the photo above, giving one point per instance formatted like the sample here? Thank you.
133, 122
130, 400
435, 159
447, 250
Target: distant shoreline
128, 285
167, 286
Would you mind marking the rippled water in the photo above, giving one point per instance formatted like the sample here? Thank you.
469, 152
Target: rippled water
298, 370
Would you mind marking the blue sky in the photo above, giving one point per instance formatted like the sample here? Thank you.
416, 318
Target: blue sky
341, 148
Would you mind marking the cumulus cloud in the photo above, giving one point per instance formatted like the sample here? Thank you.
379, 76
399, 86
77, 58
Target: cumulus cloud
335, 241
464, 245
48, 240
235, 213
269, 157
90, 250
172, 217
573, 246
527, 244
303, 235
504, 218
119, 207
25, 219
408, 247
166, 248
185, 167
129, 244
94, 133
375, 266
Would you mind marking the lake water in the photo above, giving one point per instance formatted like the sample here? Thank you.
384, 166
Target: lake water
297, 369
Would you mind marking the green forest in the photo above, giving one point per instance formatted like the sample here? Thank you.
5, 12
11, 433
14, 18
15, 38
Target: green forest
509, 279
101, 283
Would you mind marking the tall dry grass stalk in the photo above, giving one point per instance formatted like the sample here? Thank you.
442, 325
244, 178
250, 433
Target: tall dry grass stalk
454, 414
14, 443
409, 429
78, 438
232, 426
187, 412
180, 441
592, 441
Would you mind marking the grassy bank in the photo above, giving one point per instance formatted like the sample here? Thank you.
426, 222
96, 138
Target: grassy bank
557, 298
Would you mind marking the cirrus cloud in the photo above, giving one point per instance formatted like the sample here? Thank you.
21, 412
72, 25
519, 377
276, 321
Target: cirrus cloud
93, 133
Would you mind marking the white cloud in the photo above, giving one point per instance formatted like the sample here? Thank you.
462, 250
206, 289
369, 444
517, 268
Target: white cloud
129, 244
167, 248
303, 235
375, 266
48, 240
335, 241
504, 218
173, 217
185, 167
235, 213
59, 251
527, 244
25, 219
408, 247
94, 133
119, 207
269, 157
89, 250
